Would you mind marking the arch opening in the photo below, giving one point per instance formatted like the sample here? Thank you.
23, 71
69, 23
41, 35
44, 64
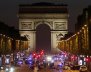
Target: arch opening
43, 38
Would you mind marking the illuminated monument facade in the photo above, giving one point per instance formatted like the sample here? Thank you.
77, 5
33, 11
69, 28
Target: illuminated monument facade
55, 16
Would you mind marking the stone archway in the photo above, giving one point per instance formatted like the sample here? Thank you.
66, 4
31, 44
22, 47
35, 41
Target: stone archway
54, 16
43, 38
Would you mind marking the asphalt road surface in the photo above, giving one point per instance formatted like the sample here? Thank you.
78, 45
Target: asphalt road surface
25, 68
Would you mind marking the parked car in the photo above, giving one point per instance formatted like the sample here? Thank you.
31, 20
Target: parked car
83, 69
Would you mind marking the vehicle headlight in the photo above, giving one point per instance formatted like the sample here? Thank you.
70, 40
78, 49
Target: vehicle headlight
7, 69
11, 69
49, 58
2, 67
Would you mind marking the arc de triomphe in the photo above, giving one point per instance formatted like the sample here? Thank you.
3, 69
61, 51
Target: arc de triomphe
55, 16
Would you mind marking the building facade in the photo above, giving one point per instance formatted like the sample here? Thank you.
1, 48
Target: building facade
55, 16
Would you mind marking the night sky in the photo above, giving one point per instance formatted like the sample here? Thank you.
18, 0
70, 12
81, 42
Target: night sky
9, 10
9, 15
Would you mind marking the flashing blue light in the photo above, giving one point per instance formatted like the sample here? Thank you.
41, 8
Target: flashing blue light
60, 65
20, 62
29, 58
30, 62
